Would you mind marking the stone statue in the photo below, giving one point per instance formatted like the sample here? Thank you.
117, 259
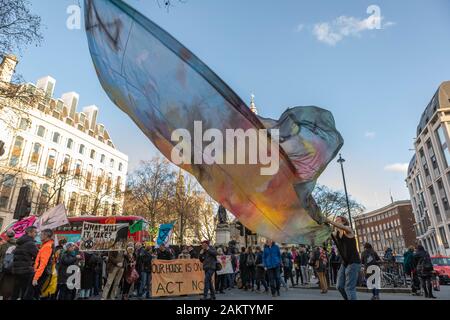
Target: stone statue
222, 214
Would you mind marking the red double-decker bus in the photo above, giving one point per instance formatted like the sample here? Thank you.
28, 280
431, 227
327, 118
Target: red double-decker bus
72, 231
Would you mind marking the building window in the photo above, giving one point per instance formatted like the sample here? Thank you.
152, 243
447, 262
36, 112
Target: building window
7, 185
16, 152
102, 158
111, 163
120, 166
81, 149
35, 156
56, 137
443, 235
433, 158
89, 171
92, 155
69, 144
24, 124
66, 165
72, 204
78, 169
41, 131
443, 145
50, 163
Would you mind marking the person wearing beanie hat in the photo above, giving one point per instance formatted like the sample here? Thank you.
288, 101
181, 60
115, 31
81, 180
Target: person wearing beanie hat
208, 256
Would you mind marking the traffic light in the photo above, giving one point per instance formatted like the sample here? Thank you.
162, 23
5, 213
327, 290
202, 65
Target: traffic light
23, 205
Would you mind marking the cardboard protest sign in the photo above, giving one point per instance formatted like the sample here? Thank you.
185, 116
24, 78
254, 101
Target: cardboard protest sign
177, 277
103, 237
227, 267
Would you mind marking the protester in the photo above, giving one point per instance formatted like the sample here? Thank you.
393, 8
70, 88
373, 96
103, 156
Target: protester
208, 256
164, 253
295, 254
145, 266
424, 267
42, 265
319, 263
260, 271
69, 257
130, 273
114, 269
243, 268
302, 259
272, 264
89, 264
409, 268
221, 278
369, 257
286, 259
335, 263
184, 254
251, 269
348, 273
98, 272
192, 252
23, 270
6, 265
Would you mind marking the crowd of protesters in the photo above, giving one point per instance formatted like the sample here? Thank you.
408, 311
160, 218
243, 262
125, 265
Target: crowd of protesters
29, 272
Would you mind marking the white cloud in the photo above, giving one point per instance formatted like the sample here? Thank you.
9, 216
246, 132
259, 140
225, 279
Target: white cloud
370, 134
335, 31
397, 167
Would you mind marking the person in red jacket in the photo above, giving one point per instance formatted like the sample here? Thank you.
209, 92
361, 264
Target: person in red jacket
42, 262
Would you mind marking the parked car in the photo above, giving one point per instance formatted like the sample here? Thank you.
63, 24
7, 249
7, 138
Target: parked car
441, 266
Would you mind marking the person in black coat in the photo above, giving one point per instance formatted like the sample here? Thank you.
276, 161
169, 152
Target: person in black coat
88, 274
163, 253
144, 261
68, 258
424, 267
208, 256
243, 268
23, 264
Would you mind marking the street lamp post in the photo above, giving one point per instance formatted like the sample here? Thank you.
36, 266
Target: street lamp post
341, 162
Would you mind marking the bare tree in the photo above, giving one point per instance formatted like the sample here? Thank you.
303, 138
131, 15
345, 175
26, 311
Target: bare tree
333, 203
150, 187
18, 26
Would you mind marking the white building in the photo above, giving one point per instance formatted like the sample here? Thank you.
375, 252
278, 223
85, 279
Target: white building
429, 174
60, 154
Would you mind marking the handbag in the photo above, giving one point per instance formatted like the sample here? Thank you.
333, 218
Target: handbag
133, 276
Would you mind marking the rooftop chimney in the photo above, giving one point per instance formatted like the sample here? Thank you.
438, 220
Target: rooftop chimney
47, 84
7, 67
71, 101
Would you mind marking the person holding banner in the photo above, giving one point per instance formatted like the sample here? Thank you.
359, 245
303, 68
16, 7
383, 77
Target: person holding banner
114, 270
208, 256
130, 273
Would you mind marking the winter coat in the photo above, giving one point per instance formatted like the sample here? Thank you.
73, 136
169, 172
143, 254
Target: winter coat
369, 257
272, 256
422, 261
408, 261
66, 260
43, 263
209, 258
144, 261
114, 258
24, 255
88, 270
164, 255
286, 259
4, 248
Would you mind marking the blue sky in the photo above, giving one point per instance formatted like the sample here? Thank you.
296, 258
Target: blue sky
376, 82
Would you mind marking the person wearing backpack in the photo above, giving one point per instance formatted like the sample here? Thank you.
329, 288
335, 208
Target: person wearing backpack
6, 263
369, 257
251, 269
286, 259
424, 267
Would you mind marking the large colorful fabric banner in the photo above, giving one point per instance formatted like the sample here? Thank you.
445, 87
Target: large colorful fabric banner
103, 237
163, 87
227, 267
177, 277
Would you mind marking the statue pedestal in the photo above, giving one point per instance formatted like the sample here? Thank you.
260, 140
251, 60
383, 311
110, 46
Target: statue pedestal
223, 234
